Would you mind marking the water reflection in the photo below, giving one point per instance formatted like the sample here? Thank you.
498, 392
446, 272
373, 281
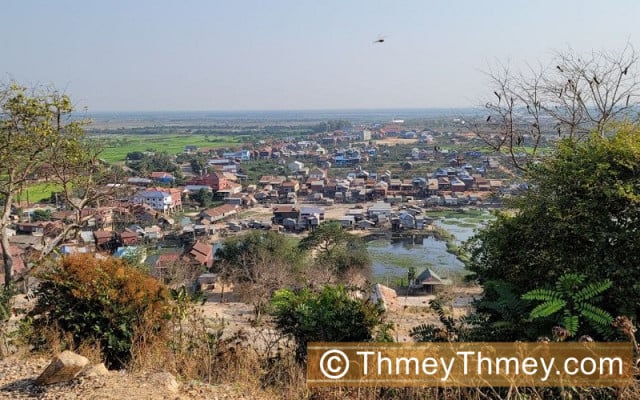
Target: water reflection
394, 257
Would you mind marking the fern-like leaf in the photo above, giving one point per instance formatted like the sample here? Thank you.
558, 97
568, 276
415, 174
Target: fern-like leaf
596, 315
592, 290
540, 295
570, 323
548, 308
567, 282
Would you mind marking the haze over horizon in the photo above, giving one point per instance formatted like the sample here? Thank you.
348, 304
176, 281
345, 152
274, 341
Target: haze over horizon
293, 55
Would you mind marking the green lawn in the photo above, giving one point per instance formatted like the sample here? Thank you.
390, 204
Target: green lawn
38, 192
116, 146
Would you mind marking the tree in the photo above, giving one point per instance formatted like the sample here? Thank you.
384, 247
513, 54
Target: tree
575, 95
203, 197
258, 263
579, 215
573, 300
33, 124
336, 249
331, 315
41, 215
84, 178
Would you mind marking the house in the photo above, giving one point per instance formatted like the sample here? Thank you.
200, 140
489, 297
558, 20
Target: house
200, 254
190, 149
407, 221
162, 177
273, 181
31, 227
450, 200
153, 232
87, 238
264, 153
242, 155
215, 181
207, 281
217, 213
163, 265
428, 282
295, 166
158, 200
347, 222
444, 183
308, 211
283, 212
231, 189
128, 238
317, 174
290, 186
139, 181
357, 213
176, 196
364, 135
103, 239
457, 185
379, 209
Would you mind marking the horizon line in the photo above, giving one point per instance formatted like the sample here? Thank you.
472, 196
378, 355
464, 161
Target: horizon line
289, 110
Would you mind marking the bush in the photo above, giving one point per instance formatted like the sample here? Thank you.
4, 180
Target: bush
331, 315
105, 301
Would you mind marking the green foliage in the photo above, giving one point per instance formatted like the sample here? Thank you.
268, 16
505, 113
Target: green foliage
464, 329
573, 298
203, 197
34, 126
331, 315
578, 216
336, 249
41, 215
160, 161
102, 300
259, 263
505, 314
241, 255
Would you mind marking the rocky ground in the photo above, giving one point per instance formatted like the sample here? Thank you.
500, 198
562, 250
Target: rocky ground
18, 375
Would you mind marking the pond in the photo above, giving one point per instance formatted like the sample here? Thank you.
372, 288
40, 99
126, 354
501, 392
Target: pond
392, 258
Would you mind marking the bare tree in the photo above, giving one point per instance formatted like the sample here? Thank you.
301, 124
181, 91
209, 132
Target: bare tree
33, 123
84, 180
575, 96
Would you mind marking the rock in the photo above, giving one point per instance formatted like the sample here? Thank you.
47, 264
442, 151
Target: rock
164, 379
94, 371
64, 367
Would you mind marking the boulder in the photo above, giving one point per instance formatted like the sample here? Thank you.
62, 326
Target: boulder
94, 371
62, 368
164, 379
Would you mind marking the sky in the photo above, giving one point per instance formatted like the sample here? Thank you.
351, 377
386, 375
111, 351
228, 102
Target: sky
155, 55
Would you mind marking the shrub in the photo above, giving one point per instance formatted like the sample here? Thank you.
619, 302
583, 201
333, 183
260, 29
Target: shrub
330, 315
99, 300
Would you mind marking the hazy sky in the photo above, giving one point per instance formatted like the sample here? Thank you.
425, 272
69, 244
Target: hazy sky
292, 54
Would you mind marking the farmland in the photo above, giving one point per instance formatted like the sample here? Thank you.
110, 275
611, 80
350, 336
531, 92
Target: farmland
38, 191
115, 146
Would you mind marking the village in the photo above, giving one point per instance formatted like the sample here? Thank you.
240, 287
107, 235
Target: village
158, 220
146, 209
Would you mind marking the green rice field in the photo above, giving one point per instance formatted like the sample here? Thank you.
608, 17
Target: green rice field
116, 147
38, 192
